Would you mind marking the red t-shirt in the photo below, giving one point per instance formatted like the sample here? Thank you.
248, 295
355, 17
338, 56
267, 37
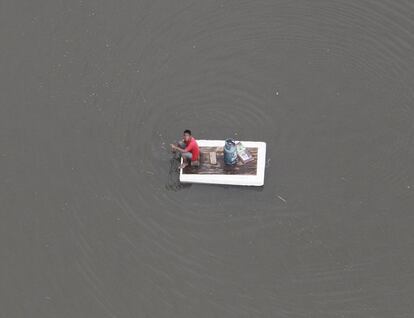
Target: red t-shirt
192, 147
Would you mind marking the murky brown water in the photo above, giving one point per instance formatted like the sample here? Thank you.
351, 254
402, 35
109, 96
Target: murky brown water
95, 224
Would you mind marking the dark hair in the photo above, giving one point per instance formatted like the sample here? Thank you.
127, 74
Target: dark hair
187, 131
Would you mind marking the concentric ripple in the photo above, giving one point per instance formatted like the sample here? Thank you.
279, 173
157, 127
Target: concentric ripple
104, 89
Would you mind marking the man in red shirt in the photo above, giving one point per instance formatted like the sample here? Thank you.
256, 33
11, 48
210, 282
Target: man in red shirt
188, 148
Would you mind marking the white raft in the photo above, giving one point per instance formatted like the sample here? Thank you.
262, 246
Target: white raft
213, 171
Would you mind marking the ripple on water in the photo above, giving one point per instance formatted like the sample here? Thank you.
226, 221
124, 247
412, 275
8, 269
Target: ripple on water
220, 77
219, 92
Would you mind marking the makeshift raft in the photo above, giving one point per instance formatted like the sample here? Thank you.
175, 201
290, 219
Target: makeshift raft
213, 170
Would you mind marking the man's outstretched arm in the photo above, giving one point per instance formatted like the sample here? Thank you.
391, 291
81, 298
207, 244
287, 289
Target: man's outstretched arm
174, 147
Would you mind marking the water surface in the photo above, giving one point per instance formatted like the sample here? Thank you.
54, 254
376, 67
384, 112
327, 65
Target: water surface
94, 222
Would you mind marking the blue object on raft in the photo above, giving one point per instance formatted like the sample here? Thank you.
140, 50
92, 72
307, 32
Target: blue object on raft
230, 152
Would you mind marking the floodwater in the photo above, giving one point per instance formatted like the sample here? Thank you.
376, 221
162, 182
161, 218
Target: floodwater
94, 222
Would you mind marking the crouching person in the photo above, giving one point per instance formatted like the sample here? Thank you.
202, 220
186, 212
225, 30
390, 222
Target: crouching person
188, 149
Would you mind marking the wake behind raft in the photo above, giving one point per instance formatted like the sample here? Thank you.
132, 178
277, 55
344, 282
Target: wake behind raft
228, 162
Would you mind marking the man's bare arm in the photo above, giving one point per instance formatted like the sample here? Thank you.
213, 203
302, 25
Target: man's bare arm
174, 147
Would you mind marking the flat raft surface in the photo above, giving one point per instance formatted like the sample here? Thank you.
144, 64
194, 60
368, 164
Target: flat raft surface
244, 174
249, 168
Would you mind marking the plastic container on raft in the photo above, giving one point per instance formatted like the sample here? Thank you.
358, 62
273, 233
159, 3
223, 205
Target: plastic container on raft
230, 152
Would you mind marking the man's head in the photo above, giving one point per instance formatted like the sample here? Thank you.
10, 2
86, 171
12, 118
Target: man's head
187, 135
